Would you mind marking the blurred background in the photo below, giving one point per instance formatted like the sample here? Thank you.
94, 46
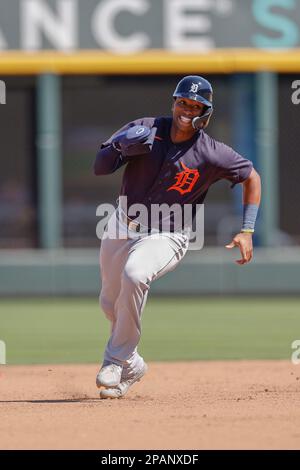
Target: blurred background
74, 71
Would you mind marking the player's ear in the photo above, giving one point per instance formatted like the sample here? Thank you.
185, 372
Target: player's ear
173, 104
207, 122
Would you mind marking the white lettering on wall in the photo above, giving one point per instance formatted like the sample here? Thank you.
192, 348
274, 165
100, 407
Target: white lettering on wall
103, 27
3, 43
60, 28
179, 25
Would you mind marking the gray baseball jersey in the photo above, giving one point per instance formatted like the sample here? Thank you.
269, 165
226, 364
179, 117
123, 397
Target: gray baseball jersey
173, 173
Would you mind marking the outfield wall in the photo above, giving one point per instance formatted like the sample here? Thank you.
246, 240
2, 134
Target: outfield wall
210, 271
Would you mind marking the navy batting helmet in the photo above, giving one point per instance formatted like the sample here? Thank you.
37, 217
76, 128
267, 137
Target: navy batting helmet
199, 89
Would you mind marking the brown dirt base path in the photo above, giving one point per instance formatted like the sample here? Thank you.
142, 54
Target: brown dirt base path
193, 405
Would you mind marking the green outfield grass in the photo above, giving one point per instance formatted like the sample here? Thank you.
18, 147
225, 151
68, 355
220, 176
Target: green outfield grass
74, 330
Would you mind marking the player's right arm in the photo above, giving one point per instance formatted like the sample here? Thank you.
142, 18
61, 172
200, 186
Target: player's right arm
134, 139
109, 158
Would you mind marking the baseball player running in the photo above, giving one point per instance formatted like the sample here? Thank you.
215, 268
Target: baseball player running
168, 160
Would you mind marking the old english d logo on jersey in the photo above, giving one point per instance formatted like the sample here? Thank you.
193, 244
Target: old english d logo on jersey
185, 180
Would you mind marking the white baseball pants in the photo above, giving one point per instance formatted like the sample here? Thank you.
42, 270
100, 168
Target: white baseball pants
128, 267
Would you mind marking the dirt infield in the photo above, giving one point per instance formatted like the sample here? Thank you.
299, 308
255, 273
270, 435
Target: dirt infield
195, 405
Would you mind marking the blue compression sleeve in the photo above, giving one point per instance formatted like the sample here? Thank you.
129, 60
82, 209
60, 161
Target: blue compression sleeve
249, 217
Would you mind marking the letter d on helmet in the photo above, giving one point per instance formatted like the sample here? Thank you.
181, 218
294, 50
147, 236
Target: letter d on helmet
199, 89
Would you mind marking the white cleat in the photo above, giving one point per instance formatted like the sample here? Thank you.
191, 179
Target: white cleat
120, 390
109, 376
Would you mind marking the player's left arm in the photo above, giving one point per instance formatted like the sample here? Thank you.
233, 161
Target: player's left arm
251, 201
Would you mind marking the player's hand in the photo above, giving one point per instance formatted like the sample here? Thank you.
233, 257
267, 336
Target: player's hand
244, 242
137, 140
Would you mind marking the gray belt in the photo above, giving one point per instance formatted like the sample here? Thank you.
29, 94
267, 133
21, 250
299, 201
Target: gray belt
137, 226
132, 224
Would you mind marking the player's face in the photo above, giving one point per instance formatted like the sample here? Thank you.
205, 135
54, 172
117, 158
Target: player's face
184, 111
